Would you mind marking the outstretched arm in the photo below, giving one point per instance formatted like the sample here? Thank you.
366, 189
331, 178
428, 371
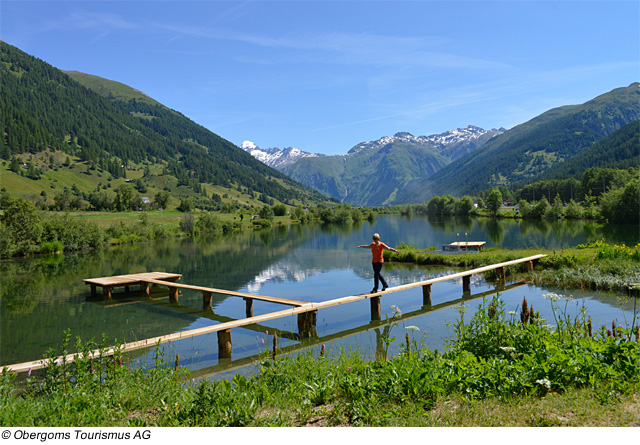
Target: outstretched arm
391, 249
363, 246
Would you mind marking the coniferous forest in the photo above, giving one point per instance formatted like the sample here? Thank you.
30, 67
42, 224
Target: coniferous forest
45, 109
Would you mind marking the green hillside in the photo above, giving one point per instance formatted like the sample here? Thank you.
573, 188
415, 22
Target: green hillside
110, 89
620, 150
371, 176
110, 132
528, 150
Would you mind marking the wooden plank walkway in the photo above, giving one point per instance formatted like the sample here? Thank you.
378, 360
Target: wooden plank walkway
223, 329
317, 341
245, 295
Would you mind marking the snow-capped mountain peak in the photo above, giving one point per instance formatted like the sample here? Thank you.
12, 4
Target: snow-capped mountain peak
274, 157
451, 144
439, 142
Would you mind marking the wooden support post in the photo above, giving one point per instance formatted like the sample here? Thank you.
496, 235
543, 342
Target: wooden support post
502, 276
173, 294
375, 308
466, 283
381, 344
106, 292
126, 289
426, 295
224, 343
144, 289
307, 324
249, 306
206, 300
93, 290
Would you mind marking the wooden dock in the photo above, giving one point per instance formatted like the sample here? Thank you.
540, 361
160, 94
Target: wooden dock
306, 312
466, 246
109, 283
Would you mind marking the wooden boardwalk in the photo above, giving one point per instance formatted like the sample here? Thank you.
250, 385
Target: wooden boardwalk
306, 312
228, 365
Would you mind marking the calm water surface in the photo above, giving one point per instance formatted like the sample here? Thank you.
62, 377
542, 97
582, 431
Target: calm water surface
42, 297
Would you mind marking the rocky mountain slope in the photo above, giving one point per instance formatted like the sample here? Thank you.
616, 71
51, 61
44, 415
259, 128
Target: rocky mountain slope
373, 173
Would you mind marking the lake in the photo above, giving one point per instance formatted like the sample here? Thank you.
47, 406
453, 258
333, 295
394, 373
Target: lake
43, 296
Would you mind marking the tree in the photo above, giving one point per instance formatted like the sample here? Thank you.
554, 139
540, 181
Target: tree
140, 186
298, 213
622, 205
188, 222
556, 211
24, 224
266, 213
161, 199
279, 210
122, 201
494, 201
541, 208
186, 205
14, 165
464, 205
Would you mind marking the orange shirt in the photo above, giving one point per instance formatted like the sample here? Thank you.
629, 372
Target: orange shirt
376, 251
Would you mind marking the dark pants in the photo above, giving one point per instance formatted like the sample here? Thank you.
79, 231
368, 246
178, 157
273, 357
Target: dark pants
377, 267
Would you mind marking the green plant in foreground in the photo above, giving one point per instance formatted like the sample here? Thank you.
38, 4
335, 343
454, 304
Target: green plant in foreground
493, 355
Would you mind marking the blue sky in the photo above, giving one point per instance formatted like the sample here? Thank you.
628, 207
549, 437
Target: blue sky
324, 76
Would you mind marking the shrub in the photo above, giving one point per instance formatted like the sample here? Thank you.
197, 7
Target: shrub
187, 223
262, 222
24, 225
279, 210
208, 223
51, 247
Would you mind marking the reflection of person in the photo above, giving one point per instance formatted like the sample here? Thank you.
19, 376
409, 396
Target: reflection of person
377, 248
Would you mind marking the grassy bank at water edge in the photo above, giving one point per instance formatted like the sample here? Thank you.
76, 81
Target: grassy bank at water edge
498, 369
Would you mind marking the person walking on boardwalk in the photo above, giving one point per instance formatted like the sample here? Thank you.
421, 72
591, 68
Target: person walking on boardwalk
377, 248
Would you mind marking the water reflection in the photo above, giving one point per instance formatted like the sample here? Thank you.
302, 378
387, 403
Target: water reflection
41, 297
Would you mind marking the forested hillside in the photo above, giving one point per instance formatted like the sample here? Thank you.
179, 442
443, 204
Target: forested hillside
44, 109
527, 151
620, 150
376, 172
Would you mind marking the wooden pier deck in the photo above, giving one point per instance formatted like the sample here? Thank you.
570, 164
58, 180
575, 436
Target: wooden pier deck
466, 245
306, 312
108, 283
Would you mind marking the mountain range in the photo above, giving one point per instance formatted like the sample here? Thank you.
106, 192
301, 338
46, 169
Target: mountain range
111, 131
525, 152
404, 169
373, 173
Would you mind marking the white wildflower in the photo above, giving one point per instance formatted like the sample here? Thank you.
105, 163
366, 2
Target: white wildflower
412, 328
397, 313
544, 382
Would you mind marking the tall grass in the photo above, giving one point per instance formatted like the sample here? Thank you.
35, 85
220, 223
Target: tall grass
595, 265
495, 357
